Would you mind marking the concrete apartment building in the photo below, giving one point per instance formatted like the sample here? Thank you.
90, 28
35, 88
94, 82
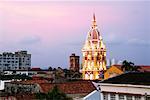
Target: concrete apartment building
19, 60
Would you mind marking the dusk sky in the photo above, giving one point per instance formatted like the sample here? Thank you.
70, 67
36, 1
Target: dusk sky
51, 31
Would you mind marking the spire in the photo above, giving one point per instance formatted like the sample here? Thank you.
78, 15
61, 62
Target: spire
94, 17
94, 25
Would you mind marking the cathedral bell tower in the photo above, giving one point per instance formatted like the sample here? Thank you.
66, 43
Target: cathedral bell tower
94, 54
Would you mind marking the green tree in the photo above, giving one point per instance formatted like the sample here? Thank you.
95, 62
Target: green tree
54, 94
41, 96
136, 68
129, 66
50, 68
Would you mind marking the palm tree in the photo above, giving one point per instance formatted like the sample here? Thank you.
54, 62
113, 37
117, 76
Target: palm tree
129, 66
136, 68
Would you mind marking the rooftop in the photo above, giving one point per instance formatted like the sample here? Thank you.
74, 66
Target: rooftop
75, 87
143, 68
134, 78
10, 77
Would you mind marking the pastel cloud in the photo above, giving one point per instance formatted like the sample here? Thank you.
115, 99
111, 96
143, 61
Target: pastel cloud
56, 26
30, 40
136, 41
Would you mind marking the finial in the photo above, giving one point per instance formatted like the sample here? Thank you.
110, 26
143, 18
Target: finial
94, 21
94, 17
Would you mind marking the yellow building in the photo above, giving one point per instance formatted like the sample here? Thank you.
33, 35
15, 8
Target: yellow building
113, 71
94, 54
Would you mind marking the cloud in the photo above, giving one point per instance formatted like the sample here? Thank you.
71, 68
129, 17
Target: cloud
30, 40
137, 41
113, 38
118, 39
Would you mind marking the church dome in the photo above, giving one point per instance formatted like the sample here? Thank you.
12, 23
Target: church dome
94, 34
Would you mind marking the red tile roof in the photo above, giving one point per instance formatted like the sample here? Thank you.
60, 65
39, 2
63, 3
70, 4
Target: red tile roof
25, 97
36, 77
36, 69
144, 68
76, 87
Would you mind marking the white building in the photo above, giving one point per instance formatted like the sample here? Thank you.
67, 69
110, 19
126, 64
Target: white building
30, 72
124, 92
17, 72
15, 61
113, 61
2, 84
129, 86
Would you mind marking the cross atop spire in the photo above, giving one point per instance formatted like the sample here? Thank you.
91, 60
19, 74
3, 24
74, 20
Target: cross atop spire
94, 25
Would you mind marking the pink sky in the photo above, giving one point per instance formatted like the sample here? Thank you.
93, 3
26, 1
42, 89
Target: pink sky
51, 26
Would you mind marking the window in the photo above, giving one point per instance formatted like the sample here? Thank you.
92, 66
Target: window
98, 58
105, 96
137, 97
112, 97
129, 97
121, 97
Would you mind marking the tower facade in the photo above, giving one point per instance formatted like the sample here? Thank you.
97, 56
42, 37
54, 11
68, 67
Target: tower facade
74, 62
94, 54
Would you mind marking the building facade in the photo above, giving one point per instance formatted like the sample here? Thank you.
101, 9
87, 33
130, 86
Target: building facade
113, 71
74, 62
116, 70
20, 60
128, 86
94, 54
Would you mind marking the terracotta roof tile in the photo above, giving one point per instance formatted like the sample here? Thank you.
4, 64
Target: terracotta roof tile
25, 97
144, 68
70, 87
36, 69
